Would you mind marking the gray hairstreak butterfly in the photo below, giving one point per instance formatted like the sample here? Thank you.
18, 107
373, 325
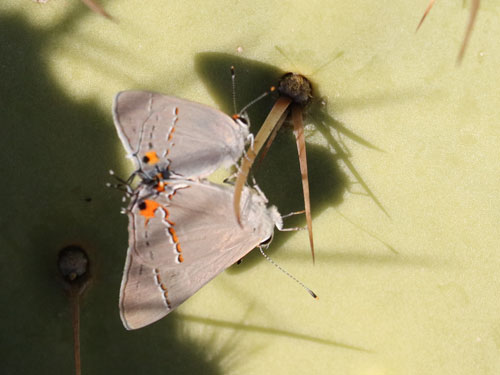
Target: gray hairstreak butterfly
182, 238
171, 137
181, 232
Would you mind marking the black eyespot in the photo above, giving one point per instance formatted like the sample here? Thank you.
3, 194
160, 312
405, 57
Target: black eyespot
142, 205
145, 159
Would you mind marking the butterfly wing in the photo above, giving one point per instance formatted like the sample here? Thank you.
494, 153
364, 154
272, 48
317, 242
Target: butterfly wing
192, 139
191, 238
142, 299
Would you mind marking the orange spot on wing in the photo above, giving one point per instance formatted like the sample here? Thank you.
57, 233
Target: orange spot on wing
173, 234
178, 248
152, 157
148, 208
163, 287
160, 186
170, 222
172, 130
160, 183
171, 135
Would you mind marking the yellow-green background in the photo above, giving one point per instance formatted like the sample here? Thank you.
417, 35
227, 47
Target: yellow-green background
432, 309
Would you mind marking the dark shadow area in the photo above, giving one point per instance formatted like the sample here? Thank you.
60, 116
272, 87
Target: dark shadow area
271, 331
279, 175
325, 124
252, 79
56, 153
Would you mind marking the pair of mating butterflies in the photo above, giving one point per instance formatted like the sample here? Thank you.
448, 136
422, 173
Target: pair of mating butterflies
182, 230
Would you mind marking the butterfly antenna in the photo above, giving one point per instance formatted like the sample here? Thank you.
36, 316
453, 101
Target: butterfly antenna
120, 180
233, 87
288, 274
122, 185
261, 96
